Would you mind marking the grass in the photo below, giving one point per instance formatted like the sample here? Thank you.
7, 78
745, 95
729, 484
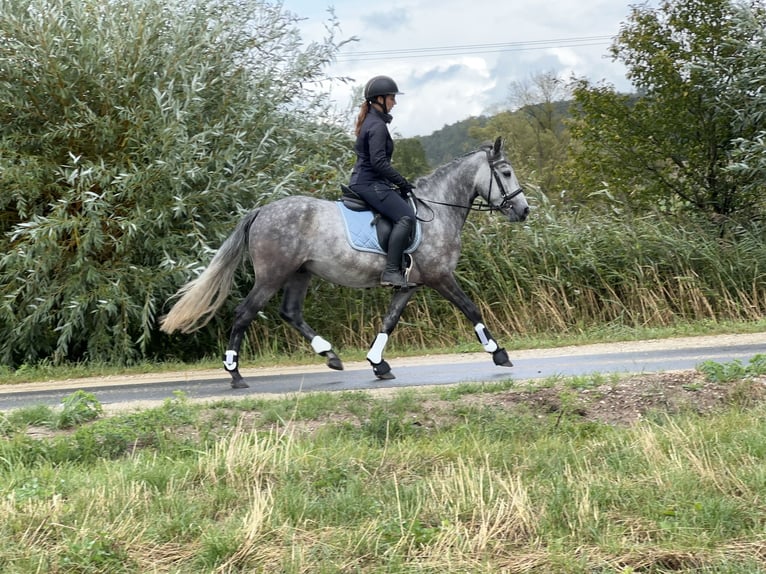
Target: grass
442, 480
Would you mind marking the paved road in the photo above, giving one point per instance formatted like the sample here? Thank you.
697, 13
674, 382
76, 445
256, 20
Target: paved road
633, 357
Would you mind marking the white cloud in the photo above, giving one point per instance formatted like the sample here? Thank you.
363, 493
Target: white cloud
453, 59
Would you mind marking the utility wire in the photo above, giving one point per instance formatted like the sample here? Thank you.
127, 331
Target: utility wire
471, 49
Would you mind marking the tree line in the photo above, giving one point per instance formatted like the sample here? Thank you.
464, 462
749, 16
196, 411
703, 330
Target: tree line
689, 139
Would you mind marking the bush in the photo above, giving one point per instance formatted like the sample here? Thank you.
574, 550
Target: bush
132, 135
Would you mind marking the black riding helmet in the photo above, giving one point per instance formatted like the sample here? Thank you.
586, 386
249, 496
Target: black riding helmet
380, 86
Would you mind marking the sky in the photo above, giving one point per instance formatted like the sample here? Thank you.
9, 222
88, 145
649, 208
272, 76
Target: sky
456, 59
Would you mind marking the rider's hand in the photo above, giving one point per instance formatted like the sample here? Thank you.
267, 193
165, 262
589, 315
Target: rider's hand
405, 190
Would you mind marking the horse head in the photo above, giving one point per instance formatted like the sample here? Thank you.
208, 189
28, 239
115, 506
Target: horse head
502, 190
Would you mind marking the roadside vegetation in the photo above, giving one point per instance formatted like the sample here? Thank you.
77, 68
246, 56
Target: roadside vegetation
560, 276
497, 477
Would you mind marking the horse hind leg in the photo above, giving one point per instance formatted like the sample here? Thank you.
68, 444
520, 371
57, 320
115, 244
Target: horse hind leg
294, 294
244, 314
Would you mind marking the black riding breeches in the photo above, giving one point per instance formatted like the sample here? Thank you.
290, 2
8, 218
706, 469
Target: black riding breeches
385, 200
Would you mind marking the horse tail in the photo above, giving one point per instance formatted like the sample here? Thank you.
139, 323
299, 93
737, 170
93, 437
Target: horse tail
200, 298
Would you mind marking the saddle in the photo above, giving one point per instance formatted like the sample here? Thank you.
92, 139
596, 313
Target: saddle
383, 226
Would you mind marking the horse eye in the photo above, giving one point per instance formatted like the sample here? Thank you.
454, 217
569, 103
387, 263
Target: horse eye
507, 173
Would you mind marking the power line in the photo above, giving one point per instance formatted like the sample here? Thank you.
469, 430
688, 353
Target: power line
473, 49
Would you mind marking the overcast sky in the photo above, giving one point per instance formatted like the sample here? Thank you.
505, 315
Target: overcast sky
455, 59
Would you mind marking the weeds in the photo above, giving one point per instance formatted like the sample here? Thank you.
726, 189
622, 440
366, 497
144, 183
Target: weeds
484, 487
78, 408
734, 370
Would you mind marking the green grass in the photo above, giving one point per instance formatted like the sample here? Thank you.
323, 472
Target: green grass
442, 480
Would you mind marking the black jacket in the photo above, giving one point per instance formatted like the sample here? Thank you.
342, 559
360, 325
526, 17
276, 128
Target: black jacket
374, 148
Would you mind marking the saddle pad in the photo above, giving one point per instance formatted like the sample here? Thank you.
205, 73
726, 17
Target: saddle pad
361, 232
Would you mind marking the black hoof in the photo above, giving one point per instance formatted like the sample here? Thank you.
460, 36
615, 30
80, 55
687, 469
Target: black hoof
333, 361
501, 358
383, 371
239, 384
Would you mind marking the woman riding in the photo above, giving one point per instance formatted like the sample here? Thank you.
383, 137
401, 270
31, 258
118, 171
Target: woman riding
375, 180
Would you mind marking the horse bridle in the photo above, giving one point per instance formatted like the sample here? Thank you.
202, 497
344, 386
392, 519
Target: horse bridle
494, 176
507, 197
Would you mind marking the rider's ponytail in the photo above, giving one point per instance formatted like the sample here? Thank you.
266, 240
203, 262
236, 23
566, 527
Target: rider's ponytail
363, 110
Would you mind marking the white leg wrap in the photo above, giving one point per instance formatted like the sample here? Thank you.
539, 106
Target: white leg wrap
489, 344
375, 355
230, 360
320, 345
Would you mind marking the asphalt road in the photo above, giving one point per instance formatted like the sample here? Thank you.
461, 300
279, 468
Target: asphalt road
136, 391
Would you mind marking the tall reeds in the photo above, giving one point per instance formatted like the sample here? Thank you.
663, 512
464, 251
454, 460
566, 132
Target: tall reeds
562, 273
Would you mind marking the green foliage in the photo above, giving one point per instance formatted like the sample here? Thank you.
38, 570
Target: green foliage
734, 370
562, 493
78, 408
37, 415
453, 140
91, 439
740, 75
410, 158
95, 554
560, 272
383, 426
537, 139
132, 134
673, 146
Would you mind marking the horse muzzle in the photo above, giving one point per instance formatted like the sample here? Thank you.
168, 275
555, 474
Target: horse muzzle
515, 216
517, 209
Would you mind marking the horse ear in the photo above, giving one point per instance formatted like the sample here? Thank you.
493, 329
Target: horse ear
498, 146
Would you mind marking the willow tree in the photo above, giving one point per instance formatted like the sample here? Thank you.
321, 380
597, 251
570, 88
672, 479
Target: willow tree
132, 134
673, 143
743, 99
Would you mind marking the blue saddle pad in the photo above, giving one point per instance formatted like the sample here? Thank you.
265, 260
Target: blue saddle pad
361, 232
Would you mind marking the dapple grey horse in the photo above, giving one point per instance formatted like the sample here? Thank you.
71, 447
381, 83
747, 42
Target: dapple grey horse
294, 238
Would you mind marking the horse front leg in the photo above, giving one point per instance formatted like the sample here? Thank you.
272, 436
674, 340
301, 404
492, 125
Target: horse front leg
399, 301
294, 294
452, 292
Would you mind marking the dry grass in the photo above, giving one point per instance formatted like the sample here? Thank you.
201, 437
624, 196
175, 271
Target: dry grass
482, 482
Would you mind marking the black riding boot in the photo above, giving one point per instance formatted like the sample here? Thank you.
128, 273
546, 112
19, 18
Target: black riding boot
397, 243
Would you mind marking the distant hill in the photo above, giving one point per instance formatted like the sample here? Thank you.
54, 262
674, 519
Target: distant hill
451, 141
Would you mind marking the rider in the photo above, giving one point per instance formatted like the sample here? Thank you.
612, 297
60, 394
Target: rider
375, 180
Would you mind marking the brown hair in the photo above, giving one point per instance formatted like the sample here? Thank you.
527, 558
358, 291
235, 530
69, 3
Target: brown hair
363, 111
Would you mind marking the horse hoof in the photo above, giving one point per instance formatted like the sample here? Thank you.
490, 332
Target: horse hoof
382, 370
334, 362
500, 357
239, 384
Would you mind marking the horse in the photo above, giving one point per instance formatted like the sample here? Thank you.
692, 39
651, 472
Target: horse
294, 238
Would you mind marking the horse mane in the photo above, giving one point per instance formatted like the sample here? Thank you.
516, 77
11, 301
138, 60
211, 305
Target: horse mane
440, 171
